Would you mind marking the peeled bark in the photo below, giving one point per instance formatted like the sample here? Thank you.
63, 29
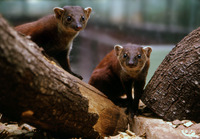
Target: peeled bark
174, 90
37, 91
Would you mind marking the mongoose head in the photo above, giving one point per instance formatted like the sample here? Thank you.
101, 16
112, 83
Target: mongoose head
132, 57
72, 18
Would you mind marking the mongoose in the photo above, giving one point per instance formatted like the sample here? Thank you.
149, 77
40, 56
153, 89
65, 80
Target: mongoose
55, 33
123, 68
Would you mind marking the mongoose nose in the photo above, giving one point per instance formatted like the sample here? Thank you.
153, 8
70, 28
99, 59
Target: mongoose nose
131, 64
78, 27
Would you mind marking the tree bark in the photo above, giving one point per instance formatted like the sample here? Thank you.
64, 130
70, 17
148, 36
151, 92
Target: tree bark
174, 90
37, 91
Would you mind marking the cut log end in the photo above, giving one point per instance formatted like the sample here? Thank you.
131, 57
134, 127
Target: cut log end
173, 91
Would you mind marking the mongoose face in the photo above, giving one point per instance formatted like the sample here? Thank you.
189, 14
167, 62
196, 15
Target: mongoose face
72, 18
132, 58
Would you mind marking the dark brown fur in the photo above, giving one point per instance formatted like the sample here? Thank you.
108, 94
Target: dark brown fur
123, 68
56, 32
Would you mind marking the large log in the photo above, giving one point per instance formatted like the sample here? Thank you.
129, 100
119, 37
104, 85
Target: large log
36, 91
174, 90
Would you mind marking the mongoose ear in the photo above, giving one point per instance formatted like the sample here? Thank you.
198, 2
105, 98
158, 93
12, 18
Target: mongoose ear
118, 49
88, 11
147, 50
58, 12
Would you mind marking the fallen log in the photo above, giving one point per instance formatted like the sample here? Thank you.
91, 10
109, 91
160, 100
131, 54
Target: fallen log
35, 90
174, 90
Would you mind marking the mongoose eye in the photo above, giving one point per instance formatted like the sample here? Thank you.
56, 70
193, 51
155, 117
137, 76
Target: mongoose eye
69, 18
82, 18
125, 55
139, 56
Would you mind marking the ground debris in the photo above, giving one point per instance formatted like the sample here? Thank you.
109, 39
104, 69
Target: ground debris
188, 128
13, 129
124, 135
16, 131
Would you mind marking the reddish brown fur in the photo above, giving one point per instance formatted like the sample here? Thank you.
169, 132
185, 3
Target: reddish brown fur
56, 34
116, 74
